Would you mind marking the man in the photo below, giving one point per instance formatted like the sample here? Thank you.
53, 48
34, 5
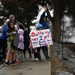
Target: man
44, 22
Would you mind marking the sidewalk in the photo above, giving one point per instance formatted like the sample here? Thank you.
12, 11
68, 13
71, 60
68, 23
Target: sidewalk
28, 67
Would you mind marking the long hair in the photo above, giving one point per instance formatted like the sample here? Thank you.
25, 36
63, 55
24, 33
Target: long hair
10, 26
25, 20
10, 18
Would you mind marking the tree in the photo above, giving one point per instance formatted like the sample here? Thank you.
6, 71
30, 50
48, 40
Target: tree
59, 6
55, 4
28, 9
23, 9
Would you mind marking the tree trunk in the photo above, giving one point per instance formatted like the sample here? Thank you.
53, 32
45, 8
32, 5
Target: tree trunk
56, 23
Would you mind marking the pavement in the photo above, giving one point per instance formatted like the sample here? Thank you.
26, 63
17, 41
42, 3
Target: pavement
28, 67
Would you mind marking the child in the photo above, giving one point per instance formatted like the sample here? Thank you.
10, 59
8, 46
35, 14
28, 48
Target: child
34, 51
39, 27
21, 45
10, 38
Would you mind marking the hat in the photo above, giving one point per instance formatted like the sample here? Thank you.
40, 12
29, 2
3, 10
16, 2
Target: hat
39, 26
25, 20
10, 16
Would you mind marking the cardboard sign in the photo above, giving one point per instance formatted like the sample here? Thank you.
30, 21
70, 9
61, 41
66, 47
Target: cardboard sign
41, 38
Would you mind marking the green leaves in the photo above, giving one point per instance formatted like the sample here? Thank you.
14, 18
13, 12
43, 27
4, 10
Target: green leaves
21, 8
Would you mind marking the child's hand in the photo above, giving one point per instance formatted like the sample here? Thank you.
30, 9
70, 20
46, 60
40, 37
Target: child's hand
14, 32
16, 28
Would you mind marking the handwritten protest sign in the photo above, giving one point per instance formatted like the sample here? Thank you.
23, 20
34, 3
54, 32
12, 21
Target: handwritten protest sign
41, 38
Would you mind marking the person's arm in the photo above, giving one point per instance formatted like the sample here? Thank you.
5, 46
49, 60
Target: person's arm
3, 36
10, 33
42, 17
4, 28
39, 15
48, 27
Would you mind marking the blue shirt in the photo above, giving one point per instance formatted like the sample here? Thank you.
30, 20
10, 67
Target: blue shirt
4, 29
45, 25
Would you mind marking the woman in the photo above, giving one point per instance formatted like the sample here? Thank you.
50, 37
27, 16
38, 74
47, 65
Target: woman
26, 38
10, 38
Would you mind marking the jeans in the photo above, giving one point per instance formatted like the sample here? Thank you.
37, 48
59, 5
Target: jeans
35, 55
26, 48
4, 46
46, 48
44, 52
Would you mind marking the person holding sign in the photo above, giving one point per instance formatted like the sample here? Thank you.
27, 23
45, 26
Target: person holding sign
44, 22
39, 27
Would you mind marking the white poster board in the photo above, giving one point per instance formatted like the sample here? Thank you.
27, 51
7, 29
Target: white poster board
41, 38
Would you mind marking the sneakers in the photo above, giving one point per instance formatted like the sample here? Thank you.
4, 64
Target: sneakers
36, 59
48, 58
7, 63
10, 63
40, 60
13, 62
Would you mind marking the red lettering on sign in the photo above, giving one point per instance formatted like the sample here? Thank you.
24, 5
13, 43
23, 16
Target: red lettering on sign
36, 39
40, 33
32, 34
46, 32
44, 37
36, 43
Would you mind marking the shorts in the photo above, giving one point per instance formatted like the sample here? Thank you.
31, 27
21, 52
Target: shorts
9, 47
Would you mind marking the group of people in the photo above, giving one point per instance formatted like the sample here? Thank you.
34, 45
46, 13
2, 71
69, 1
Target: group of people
15, 38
